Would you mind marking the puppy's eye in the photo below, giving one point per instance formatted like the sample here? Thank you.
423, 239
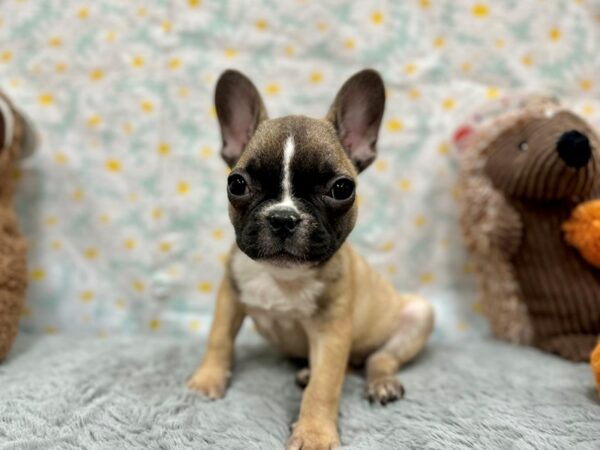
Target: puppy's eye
236, 186
524, 146
342, 189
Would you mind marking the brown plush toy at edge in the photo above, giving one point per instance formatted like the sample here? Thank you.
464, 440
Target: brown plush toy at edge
16, 140
523, 173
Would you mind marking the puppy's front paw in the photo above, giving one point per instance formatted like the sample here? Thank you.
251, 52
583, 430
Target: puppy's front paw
313, 436
211, 383
384, 389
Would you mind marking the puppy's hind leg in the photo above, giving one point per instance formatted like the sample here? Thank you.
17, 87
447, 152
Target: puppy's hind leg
410, 336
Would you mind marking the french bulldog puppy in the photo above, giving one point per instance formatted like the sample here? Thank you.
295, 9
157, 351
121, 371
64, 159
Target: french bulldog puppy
292, 204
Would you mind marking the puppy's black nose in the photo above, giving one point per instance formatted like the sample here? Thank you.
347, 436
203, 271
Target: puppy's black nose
283, 222
574, 149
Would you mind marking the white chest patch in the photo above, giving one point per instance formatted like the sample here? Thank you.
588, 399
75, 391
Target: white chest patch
283, 291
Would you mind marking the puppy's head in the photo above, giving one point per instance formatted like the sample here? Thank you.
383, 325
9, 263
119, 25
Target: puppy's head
292, 184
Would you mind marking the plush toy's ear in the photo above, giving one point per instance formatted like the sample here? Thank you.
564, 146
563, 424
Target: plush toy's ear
7, 122
356, 115
240, 109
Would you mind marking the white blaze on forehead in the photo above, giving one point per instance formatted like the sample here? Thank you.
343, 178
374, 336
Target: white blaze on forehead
286, 183
6, 115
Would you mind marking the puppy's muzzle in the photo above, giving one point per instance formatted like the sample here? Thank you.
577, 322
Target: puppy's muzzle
283, 221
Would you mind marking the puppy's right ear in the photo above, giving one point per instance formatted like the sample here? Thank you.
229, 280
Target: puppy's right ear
6, 124
240, 109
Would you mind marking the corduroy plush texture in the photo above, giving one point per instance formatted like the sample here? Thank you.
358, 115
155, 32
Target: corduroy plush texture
129, 392
13, 266
517, 190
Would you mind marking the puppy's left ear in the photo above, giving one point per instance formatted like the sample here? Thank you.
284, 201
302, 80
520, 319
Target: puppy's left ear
356, 114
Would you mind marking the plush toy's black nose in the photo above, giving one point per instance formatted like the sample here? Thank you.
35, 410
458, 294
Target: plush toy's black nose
283, 222
574, 149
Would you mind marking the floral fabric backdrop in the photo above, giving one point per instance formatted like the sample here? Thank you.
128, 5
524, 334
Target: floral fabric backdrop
124, 202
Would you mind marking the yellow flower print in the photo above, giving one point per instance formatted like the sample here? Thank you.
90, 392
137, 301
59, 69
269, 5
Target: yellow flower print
130, 244
183, 188
443, 148
138, 286
46, 99
78, 195
217, 234
480, 10
96, 74
410, 68
206, 152
322, 26
156, 213
60, 158
350, 43
377, 18
94, 120
587, 109
147, 106
420, 221
194, 325
164, 149
194, 3
154, 324
555, 34
113, 165
230, 52
175, 63
395, 125
527, 60
405, 185
414, 94
51, 221
38, 274
426, 278
272, 89
387, 246
183, 91
55, 41
205, 287
492, 92
138, 61
165, 246
83, 13
127, 128
261, 24
166, 26
6, 56
585, 84
90, 253
381, 165
448, 103
87, 296
316, 77
439, 42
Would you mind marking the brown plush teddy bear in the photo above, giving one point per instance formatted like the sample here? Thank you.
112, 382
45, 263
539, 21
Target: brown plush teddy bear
17, 139
524, 170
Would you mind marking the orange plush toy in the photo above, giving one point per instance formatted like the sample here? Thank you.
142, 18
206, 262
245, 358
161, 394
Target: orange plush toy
582, 231
596, 365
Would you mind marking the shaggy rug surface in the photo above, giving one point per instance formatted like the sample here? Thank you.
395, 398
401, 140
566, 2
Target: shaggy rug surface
129, 392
